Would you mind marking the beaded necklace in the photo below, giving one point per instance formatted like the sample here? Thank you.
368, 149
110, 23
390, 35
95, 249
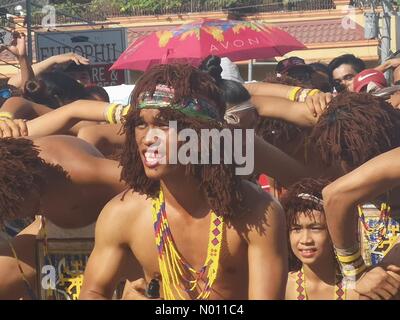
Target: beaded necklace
176, 273
340, 292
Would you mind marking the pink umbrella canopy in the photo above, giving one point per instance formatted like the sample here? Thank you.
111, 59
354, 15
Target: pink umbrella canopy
192, 42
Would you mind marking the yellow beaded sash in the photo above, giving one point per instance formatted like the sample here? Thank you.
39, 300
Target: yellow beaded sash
176, 273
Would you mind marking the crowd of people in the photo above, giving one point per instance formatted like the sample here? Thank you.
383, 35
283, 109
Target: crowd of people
327, 137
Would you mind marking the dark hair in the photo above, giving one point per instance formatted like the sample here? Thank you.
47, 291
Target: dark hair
212, 65
286, 80
233, 92
21, 172
73, 67
93, 92
355, 128
357, 64
217, 182
53, 89
294, 205
322, 80
279, 132
321, 67
302, 76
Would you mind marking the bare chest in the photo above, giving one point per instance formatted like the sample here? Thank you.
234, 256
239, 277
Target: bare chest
191, 242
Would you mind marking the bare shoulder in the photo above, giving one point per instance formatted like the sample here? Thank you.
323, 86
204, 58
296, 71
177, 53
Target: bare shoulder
291, 286
254, 196
55, 148
262, 211
122, 212
258, 202
81, 160
125, 207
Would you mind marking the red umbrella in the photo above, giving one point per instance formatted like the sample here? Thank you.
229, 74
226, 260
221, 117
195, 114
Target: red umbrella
192, 42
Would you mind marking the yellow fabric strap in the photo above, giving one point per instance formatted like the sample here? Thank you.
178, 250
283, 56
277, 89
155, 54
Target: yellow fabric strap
114, 112
293, 93
6, 115
313, 92
109, 113
303, 95
349, 259
125, 110
355, 271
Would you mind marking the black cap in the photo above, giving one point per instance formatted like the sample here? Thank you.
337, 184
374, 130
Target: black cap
285, 65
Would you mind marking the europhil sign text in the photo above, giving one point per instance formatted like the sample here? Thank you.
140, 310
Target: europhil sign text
102, 47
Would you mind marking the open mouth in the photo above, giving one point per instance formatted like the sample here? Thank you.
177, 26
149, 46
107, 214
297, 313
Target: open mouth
152, 158
307, 253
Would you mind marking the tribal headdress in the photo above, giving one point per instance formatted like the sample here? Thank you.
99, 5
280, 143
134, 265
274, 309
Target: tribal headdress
163, 97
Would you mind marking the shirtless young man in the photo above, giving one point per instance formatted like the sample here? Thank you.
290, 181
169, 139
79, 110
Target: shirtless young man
201, 206
62, 178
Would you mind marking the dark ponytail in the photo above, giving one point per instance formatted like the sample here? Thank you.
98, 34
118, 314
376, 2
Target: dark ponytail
53, 89
212, 65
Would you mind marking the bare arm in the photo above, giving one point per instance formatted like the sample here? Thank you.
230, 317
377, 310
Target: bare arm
18, 49
284, 109
22, 108
268, 89
37, 68
267, 255
393, 256
47, 64
108, 262
105, 137
65, 121
363, 184
277, 164
62, 119
392, 63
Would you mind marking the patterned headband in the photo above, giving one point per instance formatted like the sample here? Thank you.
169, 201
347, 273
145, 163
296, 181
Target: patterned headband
163, 97
310, 197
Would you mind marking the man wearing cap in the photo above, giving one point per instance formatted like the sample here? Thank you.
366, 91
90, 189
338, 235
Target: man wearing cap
373, 81
294, 67
309, 75
369, 80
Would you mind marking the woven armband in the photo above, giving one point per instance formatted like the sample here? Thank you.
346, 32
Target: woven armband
351, 262
6, 115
